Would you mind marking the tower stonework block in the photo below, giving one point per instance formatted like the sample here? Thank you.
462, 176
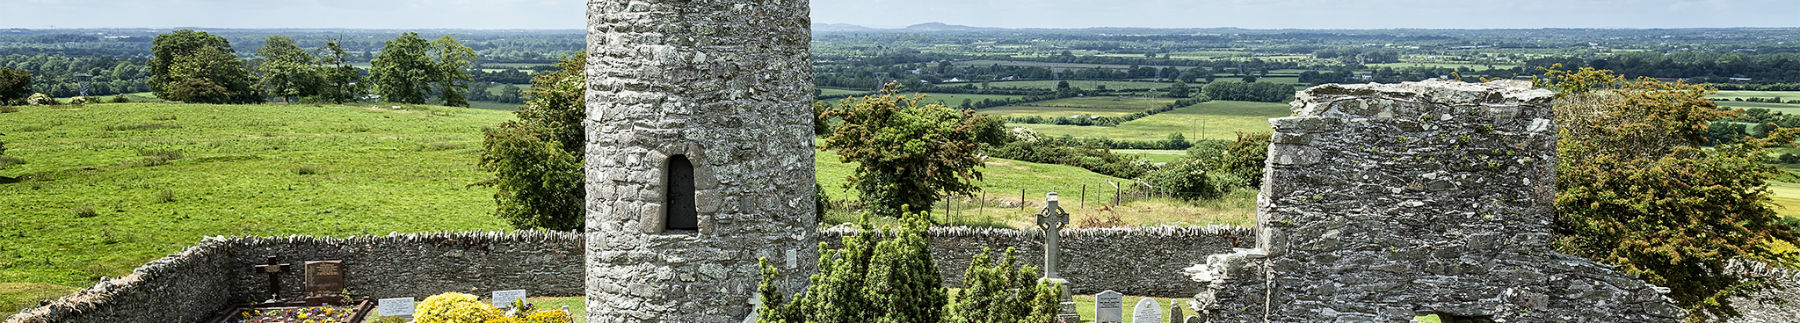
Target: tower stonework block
717, 93
1382, 202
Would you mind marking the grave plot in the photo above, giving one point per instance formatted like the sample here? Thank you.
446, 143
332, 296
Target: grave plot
325, 301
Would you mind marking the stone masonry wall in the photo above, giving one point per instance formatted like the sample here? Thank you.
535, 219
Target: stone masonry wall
1383, 202
215, 274
1133, 261
728, 85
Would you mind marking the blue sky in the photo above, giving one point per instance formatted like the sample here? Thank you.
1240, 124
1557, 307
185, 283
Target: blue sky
568, 14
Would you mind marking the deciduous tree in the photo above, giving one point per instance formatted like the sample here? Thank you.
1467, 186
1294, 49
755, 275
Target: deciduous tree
907, 153
15, 86
403, 72
343, 82
452, 77
286, 70
193, 66
210, 75
537, 160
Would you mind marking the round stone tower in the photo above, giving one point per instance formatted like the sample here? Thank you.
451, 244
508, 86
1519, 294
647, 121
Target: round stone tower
699, 157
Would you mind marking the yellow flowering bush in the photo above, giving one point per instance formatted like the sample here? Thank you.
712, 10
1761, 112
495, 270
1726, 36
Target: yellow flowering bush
535, 317
455, 308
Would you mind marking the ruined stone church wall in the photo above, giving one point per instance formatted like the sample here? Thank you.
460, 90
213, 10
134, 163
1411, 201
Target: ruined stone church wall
1386, 201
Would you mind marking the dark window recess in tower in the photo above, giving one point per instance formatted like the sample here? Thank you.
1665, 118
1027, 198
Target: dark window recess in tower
679, 214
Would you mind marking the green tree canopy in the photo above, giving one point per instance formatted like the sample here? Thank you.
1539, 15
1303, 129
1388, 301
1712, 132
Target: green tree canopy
193, 66
210, 75
15, 86
537, 160
906, 153
1638, 191
286, 70
403, 72
453, 61
343, 82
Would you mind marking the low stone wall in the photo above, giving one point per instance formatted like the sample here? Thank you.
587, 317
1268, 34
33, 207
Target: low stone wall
217, 273
1135, 261
182, 287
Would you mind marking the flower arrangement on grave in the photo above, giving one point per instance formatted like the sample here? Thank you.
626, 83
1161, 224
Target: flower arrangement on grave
314, 314
455, 308
527, 313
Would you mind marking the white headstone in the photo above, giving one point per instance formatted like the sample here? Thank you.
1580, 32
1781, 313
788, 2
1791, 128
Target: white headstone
396, 306
504, 298
1109, 307
1148, 311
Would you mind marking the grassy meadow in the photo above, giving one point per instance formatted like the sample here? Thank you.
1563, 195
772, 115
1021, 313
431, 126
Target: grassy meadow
1085, 85
108, 187
1104, 106
1218, 120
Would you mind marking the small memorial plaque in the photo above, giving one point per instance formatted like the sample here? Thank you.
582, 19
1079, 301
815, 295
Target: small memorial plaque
324, 277
505, 298
396, 306
1109, 307
1148, 311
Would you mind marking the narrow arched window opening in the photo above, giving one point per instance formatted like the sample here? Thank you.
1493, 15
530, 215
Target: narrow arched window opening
680, 214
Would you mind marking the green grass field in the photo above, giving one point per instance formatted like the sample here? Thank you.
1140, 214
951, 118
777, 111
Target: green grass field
947, 99
1086, 85
159, 177
1784, 95
833, 92
1218, 120
1786, 108
1158, 156
1104, 106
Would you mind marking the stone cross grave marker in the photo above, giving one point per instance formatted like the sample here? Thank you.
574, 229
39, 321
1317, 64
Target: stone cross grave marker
396, 306
1148, 311
1109, 307
274, 270
505, 298
324, 277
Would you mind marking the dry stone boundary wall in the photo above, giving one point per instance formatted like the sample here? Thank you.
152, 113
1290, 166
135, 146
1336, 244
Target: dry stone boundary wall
216, 273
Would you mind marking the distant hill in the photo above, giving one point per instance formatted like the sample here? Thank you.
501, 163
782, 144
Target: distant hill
930, 27
940, 27
840, 28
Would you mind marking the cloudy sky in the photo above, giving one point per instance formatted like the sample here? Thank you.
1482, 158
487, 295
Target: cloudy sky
568, 14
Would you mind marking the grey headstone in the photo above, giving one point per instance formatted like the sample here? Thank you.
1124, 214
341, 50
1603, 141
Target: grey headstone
504, 298
1175, 311
1109, 307
396, 306
1148, 311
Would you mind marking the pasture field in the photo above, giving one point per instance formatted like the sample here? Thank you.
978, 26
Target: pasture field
1786, 108
1052, 66
947, 99
1784, 95
1217, 119
835, 92
1155, 156
1471, 65
955, 100
1104, 106
106, 188
1088, 85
